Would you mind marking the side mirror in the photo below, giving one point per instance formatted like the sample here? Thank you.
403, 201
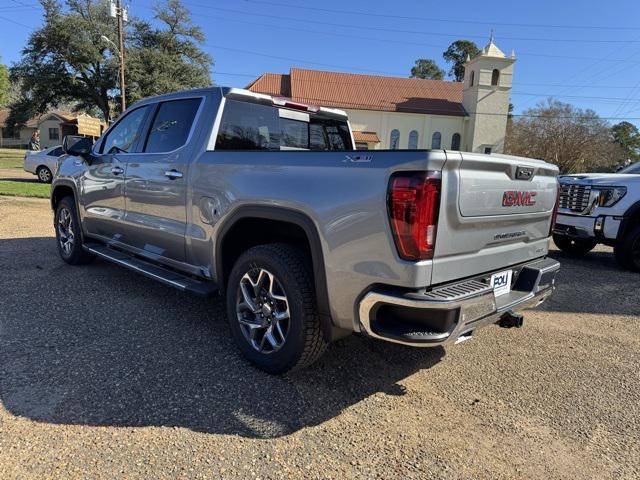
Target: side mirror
77, 146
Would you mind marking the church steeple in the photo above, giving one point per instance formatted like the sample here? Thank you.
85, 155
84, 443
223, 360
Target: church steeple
486, 92
491, 49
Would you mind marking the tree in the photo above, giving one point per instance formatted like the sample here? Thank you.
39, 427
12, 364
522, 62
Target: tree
427, 69
457, 54
627, 136
67, 60
574, 139
5, 86
168, 59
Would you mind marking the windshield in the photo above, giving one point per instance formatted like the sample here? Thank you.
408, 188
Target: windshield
633, 168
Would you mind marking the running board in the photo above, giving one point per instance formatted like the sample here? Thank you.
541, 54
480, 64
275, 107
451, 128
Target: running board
161, 274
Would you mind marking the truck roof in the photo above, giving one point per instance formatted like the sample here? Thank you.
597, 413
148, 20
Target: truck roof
248, 96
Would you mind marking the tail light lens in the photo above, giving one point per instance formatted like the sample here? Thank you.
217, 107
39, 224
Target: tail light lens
554, 215
414, 203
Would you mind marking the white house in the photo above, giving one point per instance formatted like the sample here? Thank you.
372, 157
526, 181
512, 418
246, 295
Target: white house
393, 112
53, 126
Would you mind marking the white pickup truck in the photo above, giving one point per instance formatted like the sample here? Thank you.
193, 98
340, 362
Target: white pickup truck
601, 208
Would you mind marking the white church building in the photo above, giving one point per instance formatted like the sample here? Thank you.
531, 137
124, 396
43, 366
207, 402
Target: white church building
399, 113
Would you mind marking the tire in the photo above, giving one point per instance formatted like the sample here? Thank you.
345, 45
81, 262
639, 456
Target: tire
574, 246
627, 251
266, 283
44, 174
69, 234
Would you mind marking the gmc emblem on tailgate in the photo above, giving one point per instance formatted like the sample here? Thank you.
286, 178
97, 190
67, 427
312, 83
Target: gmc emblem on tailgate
515, 198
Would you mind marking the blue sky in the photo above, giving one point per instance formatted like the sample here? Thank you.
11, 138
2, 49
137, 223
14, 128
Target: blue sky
582, 52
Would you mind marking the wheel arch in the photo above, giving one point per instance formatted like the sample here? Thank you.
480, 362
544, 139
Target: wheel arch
276, 224
60, 190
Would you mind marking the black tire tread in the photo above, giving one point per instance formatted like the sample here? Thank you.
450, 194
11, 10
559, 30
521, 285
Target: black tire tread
314, 344
623, 250
296, 264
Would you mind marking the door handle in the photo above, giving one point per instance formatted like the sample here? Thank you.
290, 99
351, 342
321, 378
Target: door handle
173, 174
117, 170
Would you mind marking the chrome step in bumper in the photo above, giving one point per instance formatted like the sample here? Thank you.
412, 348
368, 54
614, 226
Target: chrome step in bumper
451, 312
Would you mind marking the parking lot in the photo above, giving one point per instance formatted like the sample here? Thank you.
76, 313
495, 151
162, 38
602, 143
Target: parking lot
106, 374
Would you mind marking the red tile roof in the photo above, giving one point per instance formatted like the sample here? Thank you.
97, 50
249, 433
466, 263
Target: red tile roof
369, 137
364, 92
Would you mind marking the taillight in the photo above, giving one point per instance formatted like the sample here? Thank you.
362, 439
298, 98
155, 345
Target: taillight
554, 215
414, 202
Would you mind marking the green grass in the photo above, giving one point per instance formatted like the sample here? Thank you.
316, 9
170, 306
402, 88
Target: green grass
11, 158
24, 189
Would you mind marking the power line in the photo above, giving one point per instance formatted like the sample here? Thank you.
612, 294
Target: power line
13, 21
415, 32
382, 40
435, 19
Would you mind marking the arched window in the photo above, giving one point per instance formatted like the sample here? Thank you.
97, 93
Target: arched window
455, 141
472, 78
495, 76
394, 144
436, 139
413, 140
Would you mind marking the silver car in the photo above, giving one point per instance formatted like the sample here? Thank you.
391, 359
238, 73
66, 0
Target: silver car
43, 162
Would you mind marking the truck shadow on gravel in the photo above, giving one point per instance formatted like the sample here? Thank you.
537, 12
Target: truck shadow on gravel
98, 345
593, 283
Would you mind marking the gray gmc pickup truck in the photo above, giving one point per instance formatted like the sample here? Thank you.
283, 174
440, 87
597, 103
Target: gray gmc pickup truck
265, 201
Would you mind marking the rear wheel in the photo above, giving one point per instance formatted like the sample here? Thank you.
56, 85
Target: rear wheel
44, 174
574, 246
627, 251
271, 306
68, 235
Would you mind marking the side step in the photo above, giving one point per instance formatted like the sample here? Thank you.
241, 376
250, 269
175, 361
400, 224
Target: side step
161, 274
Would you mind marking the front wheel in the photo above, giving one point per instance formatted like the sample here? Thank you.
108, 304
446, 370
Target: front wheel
627, 251
68, 235
574, 246
271, 305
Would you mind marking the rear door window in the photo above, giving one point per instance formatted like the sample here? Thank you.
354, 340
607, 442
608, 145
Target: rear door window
248, 126
172, 125
251, 126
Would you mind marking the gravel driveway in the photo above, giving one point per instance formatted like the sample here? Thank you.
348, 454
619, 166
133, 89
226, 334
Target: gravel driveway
106, 374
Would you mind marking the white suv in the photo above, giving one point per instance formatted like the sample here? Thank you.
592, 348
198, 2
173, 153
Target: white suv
601, 208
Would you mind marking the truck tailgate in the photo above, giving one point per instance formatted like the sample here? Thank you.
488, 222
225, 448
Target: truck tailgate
503, 207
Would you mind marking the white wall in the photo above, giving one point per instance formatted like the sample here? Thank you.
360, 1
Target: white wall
383, 123
44, 126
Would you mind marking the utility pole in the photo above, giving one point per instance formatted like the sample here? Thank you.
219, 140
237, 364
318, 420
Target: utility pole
122, 15
121, 48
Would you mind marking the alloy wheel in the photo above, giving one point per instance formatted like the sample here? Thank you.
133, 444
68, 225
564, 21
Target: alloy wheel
262, 310
44, 175
66, 235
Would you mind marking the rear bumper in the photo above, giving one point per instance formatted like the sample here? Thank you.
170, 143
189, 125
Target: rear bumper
453, 311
